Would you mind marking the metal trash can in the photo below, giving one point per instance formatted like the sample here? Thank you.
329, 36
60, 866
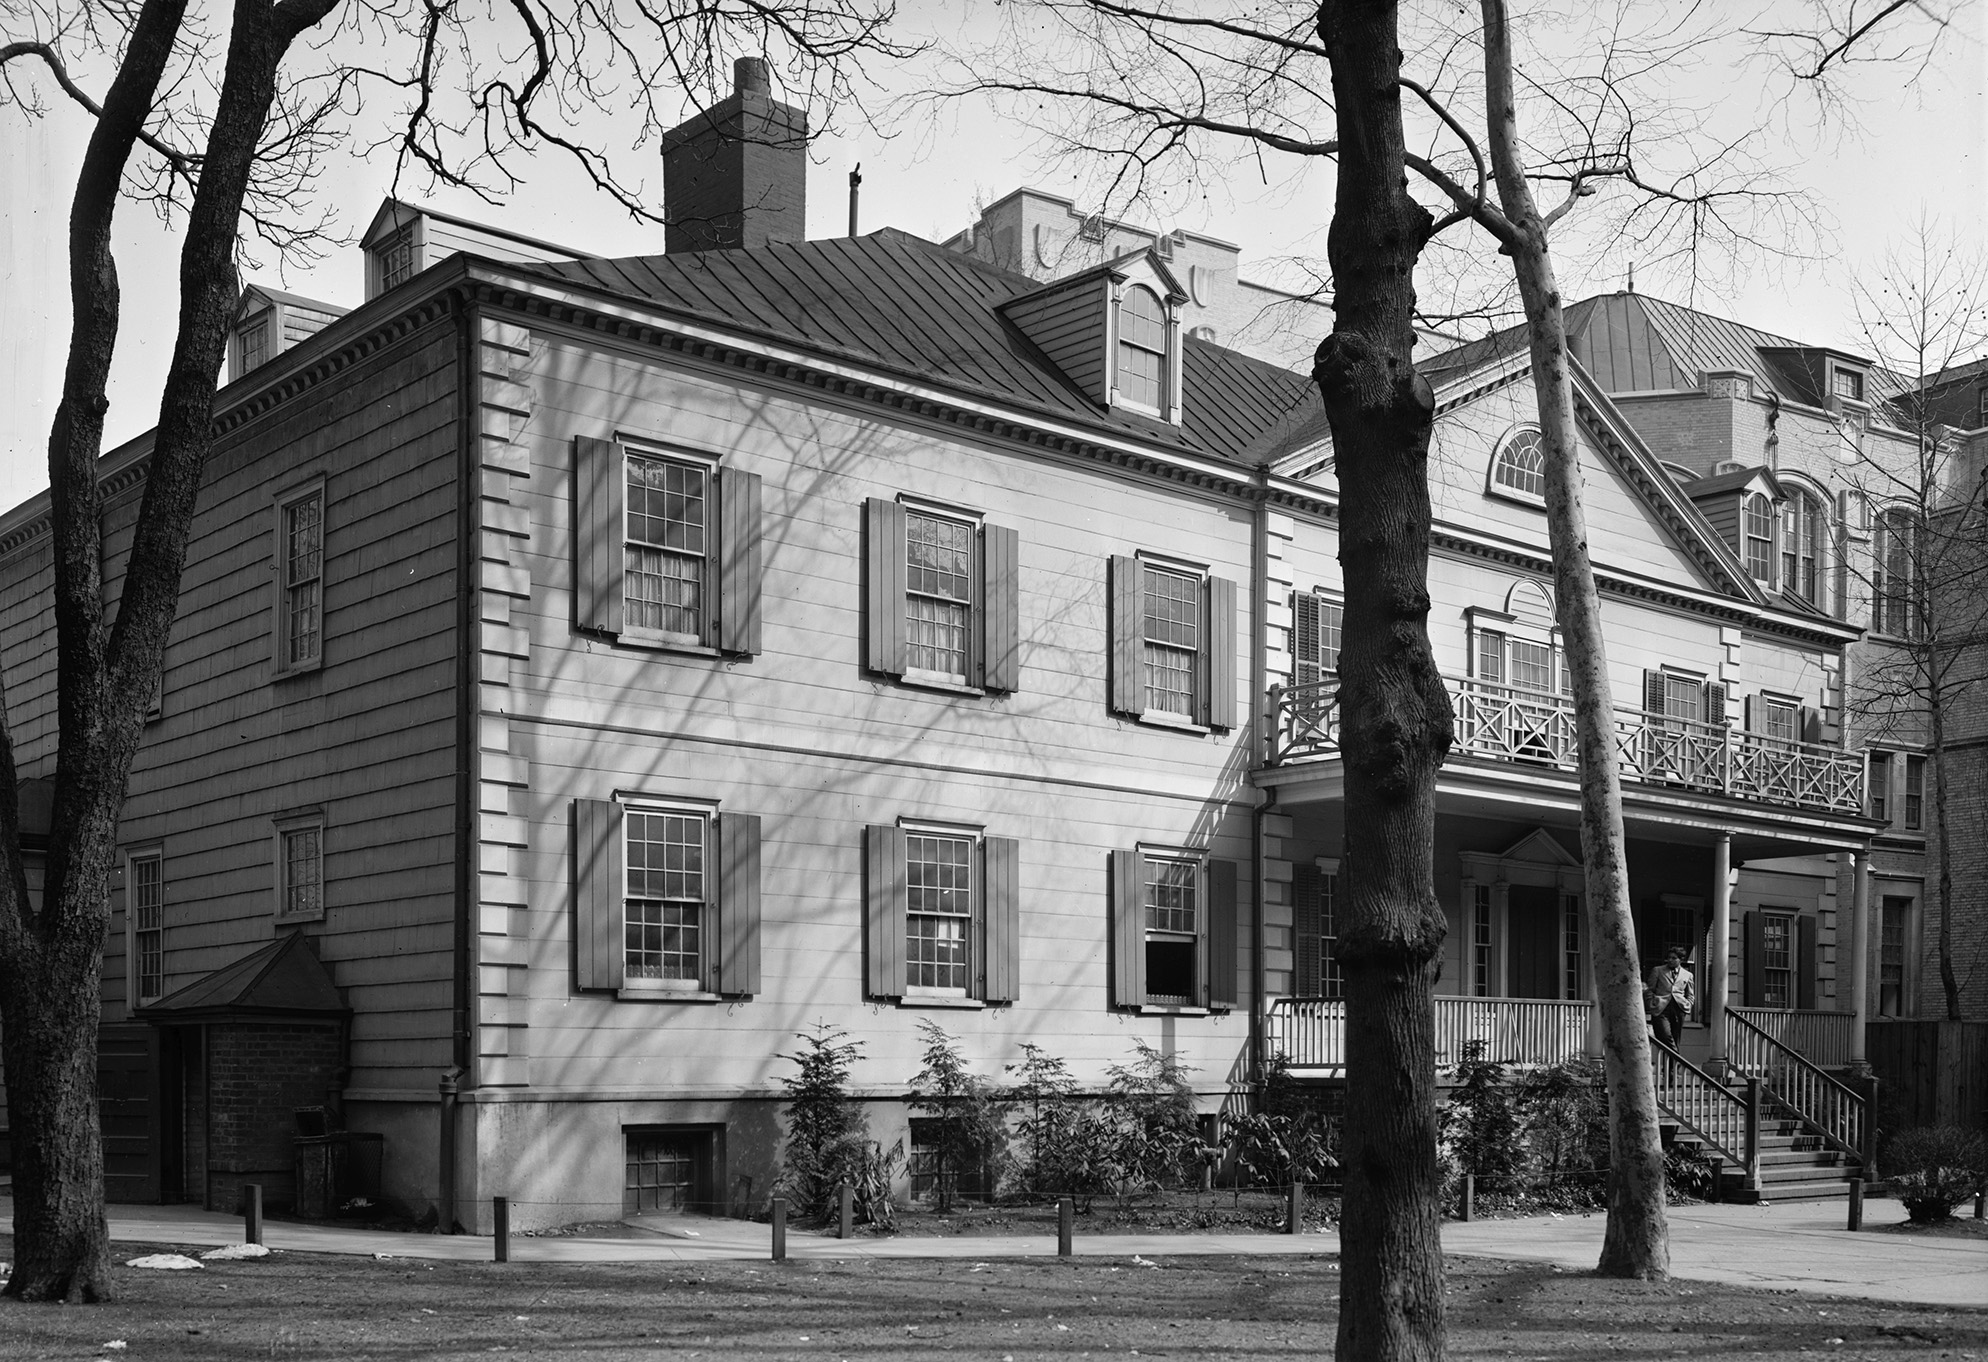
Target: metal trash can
338, 1173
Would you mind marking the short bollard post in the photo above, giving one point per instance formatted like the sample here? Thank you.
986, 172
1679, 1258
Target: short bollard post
1294, 1213
1066, 1219
500, 1219
1856, 1203
780, 1229
1469, 1197
1981, 1205
1718, 1177
251, 1213
846, 1219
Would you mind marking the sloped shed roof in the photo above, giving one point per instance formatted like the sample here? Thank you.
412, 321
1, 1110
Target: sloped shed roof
283, 978
892, 300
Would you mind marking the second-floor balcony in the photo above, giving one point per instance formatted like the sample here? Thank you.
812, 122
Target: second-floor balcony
1536, 728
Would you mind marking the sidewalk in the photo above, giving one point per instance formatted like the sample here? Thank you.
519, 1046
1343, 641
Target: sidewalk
1787, 1247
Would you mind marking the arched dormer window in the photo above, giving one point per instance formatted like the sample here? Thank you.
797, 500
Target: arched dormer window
1142, 348
1757, 536
1520, 465
1801, 545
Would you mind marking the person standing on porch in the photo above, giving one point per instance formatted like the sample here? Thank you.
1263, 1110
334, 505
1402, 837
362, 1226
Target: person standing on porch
1670, 994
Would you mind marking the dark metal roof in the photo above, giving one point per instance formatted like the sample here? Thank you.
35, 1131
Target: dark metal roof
281, 978
893, 301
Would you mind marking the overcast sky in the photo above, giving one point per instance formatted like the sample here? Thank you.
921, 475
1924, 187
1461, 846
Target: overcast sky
1920, 148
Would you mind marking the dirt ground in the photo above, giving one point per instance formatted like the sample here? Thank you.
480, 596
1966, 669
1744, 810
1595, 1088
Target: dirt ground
306, 1306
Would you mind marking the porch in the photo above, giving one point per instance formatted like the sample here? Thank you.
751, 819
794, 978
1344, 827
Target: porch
1311, 1034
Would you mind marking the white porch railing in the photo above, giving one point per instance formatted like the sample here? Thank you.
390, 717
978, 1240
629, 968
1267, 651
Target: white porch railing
1311, 1032
1511, 723
1822, 1038
1838, 1113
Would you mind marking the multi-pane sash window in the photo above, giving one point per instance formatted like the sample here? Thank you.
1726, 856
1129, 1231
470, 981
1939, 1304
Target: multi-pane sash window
1757, 517
1847, 383
1780, 720
1801, 528
1480, 940
1570, 946
1880, 786
252, 342
1532, 665
396, 257
302, 624
1894, 574
1491, 657
1172, 633
1915, 792
1315, 930
303, 872
1142, 348
664, 915
147, 924
938, 580
1891, 956
1171, 892
1777, 961
667, 570
939, 913
1332, 983
1684, 697
1520, 465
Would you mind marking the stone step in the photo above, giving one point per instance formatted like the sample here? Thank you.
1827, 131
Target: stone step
1803, 1172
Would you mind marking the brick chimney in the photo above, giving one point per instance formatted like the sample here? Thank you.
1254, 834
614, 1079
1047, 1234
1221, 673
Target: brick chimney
736, 174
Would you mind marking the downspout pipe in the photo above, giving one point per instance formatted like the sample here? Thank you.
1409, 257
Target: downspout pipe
465, 738
1259, 641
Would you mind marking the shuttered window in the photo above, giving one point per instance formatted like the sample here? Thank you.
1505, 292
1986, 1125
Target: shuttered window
1173, 644
943, 601
666, 900
1173, 930
666, 549
1781, 959
941, 914
1317, 624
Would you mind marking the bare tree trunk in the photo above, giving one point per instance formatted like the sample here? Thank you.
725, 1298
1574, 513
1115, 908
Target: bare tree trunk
51, 959
1937, 721
1395, 720
1636, 1242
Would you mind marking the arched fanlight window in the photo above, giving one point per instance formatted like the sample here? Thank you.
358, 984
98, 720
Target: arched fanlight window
1520, 464
1801, 546
1757, 536
1142, 348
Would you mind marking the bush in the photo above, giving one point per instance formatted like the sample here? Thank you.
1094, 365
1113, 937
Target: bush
1932, 1169
1062, 1141
827, 1137
968, 1123
1156, 1131
1288, 1138
1483, 1126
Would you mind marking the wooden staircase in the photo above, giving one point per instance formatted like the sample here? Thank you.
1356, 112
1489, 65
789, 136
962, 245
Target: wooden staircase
1781, 1128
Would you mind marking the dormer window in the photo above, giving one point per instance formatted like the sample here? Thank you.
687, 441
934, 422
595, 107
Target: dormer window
1847, 383
1519, 467
1142, 348
1757, 529
252, 342
396, 258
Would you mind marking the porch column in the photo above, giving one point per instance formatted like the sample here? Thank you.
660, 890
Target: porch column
1718, 968
1860, 964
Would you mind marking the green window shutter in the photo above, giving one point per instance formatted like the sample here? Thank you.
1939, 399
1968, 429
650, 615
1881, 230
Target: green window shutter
600, 542
1754, 712
738, 562
1221, 934
1653, 692
1305, 640
884, 899
1002, 979
599, 937
738, 903
1756, 958
1307, 913
1128, 635
883, 527
1000, 613
1218, 653
1811, 725
1715, 702
1128, 931
1805, 964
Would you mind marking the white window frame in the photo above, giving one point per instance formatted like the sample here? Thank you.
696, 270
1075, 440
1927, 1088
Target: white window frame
707, 469
1911, 800
1756, 511
1169, 353
1803, 522
293, 586
1149, 567
703, 983
1481, 942
1889, 604
1500, 485
971, 607
247, 358
1838, 374
1196, 863
389, 274
136, 931
1877, 789
1331, 979
311, 889
1770, 702
1301, 657
1786, 918
975, 918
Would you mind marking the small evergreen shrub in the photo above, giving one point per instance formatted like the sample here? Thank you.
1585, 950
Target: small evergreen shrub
1289, 1138
1484, 1127
1157, 1133
1932, 1169
828, 1140
966, 1122
1062, 1140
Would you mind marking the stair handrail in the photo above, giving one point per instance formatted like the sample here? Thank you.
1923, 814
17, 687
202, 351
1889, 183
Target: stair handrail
1708, 1109
1826, 1105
